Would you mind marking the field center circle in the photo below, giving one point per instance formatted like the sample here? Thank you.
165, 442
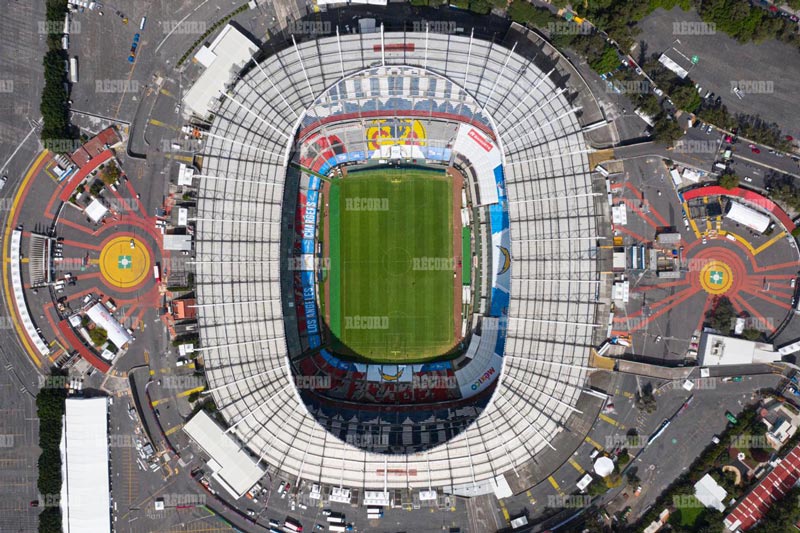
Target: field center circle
716, 277
123, 266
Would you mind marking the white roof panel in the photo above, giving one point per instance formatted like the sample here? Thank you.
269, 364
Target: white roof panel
236, 470
86, 494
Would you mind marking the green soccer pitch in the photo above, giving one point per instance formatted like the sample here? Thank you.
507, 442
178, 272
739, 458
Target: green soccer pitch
391, 252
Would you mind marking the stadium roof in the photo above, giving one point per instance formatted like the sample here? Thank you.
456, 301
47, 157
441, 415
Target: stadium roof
228, 52
233, 468
86, 493
553, 228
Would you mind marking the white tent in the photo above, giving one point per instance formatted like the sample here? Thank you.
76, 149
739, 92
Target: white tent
116, 333
86, 493
747, 216
96, 210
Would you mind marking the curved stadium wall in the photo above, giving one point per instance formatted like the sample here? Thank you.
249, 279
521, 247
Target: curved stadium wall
548, 205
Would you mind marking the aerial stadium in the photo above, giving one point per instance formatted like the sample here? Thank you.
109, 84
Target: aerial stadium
396, 272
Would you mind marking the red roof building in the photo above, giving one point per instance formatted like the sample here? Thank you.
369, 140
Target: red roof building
772, 488
184, 309
95, 146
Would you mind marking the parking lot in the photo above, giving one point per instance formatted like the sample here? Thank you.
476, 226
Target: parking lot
723, 63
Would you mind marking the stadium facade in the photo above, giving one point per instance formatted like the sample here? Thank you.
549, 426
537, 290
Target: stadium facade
293, 117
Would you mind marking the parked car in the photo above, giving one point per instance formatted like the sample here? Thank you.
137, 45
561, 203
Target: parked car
748, 179
3, 181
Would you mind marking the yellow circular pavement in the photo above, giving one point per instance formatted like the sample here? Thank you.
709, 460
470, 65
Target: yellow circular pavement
124, 266
716, 277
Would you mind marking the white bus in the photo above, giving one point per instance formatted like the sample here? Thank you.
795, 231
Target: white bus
73, 69
335, 527
335, 519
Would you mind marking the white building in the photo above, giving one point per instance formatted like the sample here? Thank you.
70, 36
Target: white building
178, 242
710, 493
232, 467
102, 318
86, 492
673, 65
226, 54
718, 350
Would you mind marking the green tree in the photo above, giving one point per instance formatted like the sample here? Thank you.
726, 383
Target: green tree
606, 62
666, 130
721, 315
686, 97
523, 12
50, 410
649, 105
752, 334
111, 173
623, 457
729, 181
98, 335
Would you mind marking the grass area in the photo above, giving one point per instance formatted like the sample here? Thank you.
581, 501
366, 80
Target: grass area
689, 513
392, 264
